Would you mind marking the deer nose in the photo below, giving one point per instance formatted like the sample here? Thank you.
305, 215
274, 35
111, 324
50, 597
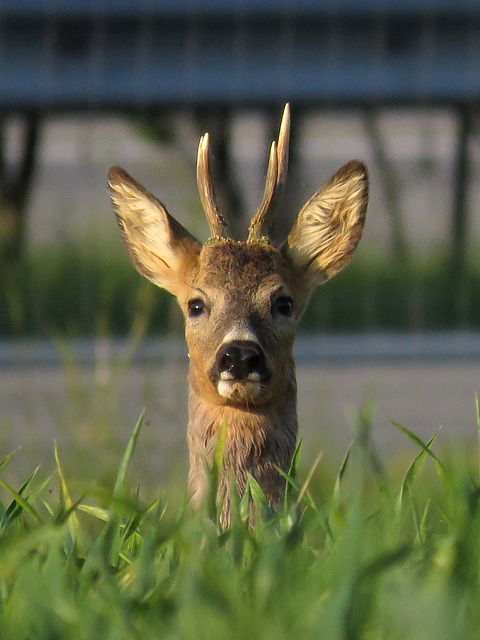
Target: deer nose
240, 359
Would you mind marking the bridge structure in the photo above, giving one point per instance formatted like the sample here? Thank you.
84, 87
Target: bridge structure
158, 55
131, 54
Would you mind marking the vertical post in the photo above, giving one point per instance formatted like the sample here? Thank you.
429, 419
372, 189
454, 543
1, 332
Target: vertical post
15, 187
390, 183
459, 229
458, 247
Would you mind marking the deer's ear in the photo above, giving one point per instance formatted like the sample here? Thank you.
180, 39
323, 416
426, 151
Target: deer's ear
159, 247
330, 224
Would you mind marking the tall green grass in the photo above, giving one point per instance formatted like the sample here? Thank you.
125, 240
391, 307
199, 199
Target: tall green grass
379, 557
79, 291
86, 290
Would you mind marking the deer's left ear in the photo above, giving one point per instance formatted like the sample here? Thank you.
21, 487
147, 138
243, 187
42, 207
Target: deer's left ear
329, 226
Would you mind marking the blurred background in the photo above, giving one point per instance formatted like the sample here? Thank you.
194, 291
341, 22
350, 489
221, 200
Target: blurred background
85, 343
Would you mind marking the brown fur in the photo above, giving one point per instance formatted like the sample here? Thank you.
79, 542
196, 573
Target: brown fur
258, 440
238, 284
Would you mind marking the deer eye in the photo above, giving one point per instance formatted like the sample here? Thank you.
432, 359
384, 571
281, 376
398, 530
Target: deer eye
283, 306
195, 307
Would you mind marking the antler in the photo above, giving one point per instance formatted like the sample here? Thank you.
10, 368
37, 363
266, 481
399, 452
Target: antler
276, 177
216, 221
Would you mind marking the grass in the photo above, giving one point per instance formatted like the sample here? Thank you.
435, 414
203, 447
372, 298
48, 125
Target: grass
377, 557
89, 290
78, 291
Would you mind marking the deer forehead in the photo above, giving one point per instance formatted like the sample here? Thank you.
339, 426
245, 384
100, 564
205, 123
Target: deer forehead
228, 267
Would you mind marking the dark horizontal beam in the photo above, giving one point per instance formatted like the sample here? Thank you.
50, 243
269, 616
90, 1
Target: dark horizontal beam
235, 8
146, 63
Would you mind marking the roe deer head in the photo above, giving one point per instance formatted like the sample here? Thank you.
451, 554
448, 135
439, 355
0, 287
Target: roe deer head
242, 302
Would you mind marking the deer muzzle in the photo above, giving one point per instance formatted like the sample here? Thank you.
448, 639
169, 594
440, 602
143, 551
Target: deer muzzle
240, 372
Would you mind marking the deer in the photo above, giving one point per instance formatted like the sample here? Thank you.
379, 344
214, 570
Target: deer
241, 302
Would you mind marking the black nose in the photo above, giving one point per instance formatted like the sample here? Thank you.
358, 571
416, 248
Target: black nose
240, 358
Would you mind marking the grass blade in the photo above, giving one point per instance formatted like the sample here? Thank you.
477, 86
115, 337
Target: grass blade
219, 450
66, 502
292, 474
477, 411
341, 473
8, 457
97, 512
295, 462
214, 473
411, 472
305, 485
418, 441
258, 497
19, 504
119, 488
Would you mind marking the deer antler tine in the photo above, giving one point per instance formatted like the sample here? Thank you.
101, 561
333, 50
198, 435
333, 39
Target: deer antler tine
283, 146
216, 221
261, 222
276, 177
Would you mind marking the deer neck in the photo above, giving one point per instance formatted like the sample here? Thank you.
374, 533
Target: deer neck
257, 440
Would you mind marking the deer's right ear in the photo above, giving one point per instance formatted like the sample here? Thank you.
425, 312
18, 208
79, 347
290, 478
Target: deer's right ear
159, 247
329, 226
